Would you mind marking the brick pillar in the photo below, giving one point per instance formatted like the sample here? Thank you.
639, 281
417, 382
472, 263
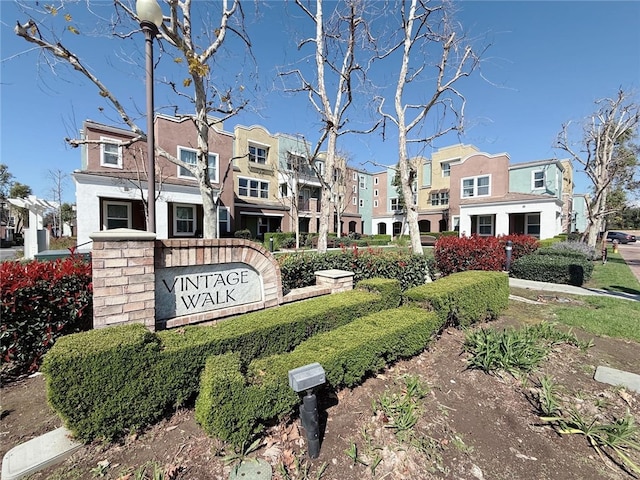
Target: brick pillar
337, 280
123, 278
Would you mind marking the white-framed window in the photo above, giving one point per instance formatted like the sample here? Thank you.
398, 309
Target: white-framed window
485, 225
363, 181
354, 201
354, 176
439, 198
537, 180
395, 204
224, 220
116, 215
476, 186
337, 174
532, 224
375, 192
184, 220
250, 187
189, 155
455, 223
375, 180
258, 153
446, 169
361, 203
354, 188
320, 167
375, 204
110, 153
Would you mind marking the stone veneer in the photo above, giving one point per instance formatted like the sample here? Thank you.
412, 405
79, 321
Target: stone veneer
181, 253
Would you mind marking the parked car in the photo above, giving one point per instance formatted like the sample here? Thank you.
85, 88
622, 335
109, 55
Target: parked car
621, 237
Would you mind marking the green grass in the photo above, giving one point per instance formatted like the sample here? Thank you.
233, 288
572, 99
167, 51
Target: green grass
609, 316
614, 276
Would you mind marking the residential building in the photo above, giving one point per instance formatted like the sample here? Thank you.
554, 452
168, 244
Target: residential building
388, 216
112, 181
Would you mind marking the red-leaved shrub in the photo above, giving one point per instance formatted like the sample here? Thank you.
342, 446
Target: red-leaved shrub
458, 254
41, 301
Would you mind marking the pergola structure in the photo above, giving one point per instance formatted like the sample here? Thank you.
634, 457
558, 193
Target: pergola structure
36, 237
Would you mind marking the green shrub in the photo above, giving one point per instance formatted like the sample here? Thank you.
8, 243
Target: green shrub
106, 382
235, 408
102, 382
464, 298
280, 240
572, 269
246, 234
298, 269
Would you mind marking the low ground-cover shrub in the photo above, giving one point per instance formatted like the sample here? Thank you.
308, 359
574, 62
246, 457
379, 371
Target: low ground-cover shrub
464, 298
571, 268
105, 382
234, 407
458, 254
298, 269
575, 246
40, 302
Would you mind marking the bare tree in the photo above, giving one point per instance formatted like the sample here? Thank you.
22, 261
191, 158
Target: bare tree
614, 122
335, 44
58, 180
197, 87
426, 27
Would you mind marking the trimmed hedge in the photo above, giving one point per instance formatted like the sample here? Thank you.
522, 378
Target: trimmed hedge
567, 268
298, 269
235, 407
464, 298
105, 382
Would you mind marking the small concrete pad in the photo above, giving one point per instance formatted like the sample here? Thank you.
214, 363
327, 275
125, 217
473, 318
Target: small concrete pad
38, 453
251, 469
612, 376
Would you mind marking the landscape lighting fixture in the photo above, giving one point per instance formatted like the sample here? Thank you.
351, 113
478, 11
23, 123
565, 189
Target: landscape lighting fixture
306, 378
150, 16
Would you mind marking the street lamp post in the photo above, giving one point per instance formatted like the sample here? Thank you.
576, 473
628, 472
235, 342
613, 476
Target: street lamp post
150, 16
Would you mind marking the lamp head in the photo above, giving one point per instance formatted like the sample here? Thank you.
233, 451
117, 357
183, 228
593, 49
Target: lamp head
149, 11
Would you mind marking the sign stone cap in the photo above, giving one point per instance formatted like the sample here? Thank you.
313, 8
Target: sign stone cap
121, 235
306, 377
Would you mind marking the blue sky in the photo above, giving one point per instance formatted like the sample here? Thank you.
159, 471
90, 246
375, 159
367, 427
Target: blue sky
547, 63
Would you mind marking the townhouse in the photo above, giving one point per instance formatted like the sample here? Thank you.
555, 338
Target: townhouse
265, 183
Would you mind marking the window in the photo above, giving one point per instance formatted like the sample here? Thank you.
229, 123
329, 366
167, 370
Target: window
189, 155
485, 225
337, 174
110, 153
354, 200
363, 181
248, 187
361, 203
224, 221
117, 215
295, 162
354, 188
537, 180
284, 190
375, 192
446, 169
258, 154
395, 205
375, 203
320, 167
532, 222
354, 176
475, 187
439, 198
184, 220
375, 180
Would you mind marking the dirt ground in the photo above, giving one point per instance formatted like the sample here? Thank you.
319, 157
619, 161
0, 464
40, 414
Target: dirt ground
471, 425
